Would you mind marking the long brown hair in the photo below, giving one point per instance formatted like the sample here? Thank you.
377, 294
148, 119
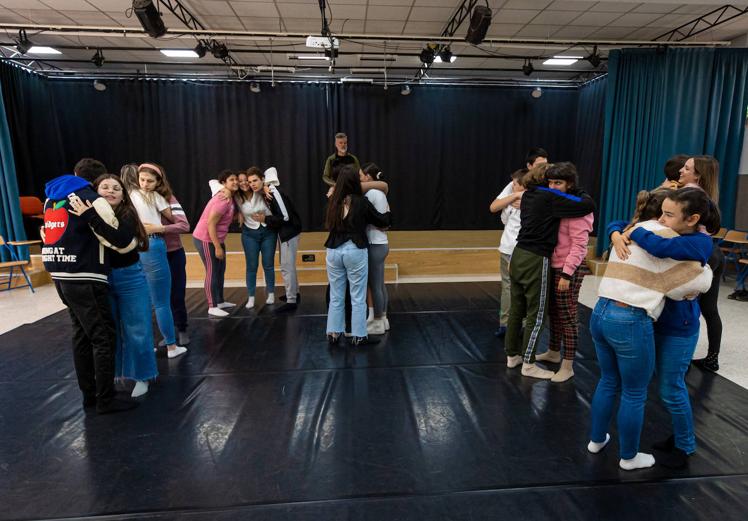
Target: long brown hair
707, 167
347, 185
162, 187
125, 210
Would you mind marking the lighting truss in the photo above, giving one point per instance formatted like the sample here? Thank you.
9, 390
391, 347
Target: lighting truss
702, 23
454, 23
187, 18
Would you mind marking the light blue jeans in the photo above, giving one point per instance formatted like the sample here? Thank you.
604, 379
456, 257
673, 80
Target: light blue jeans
674, 355
624, 342
156, 267
347, 261
131, 310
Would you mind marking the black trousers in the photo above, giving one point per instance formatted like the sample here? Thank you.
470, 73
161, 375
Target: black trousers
94, 336
708, 302
178, 269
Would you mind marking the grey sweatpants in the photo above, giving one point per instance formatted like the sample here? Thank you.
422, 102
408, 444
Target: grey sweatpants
288, 252
377, 255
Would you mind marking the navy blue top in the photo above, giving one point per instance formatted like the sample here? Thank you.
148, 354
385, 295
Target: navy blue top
679, 317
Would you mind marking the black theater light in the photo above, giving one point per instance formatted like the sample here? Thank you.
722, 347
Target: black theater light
527, 68
200, 49
220, 51
98, 58
427, 54
594, 58
23, 44
149, 17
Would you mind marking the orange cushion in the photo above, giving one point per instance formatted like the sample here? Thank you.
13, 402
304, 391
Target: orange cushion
31, 205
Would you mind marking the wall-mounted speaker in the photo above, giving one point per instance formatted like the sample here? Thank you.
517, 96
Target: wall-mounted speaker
479, 23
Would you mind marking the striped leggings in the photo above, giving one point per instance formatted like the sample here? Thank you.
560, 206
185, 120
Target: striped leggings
215, 270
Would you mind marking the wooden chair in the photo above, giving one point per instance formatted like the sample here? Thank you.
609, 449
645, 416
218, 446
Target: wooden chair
15, 263
720, 234
734, 245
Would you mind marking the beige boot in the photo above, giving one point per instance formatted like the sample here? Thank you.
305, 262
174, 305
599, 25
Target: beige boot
565, 372
534, 371
549, 356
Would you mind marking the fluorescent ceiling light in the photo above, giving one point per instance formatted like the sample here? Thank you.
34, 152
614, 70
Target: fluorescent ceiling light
562, 60
179, 53
308, 57
438, 59
356, 80
43, 50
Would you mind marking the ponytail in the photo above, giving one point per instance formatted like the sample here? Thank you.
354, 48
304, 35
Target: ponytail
649, 205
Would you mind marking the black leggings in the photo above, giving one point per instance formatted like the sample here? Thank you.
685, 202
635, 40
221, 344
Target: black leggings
708, 302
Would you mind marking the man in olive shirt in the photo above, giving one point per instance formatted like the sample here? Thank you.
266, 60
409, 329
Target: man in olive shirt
340, 157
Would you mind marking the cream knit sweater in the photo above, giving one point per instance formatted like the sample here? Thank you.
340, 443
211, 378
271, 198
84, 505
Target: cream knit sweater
643, 281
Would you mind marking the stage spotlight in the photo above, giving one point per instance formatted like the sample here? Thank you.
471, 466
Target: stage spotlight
254, 87
445, 56
536, 92
23, 44
527, 68
479, 23
405, 90
149, 17
99, 85
200, 49
594, 58
427, 54
98, 58
220, 51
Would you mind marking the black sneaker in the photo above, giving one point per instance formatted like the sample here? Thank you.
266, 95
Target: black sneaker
363, 340
742, 296
674, 459
114, 406
285, 299
89, 401
333, 338
709, 364
665, 445
286, 308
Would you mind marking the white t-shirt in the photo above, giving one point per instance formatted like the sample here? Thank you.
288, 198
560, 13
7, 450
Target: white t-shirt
510, 216
379, 201
256, 204
149, 213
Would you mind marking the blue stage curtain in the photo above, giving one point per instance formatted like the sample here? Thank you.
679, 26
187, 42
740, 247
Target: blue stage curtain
662, 103
588, 145
11, 221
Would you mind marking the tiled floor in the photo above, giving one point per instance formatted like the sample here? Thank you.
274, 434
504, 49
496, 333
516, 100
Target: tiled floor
19, 307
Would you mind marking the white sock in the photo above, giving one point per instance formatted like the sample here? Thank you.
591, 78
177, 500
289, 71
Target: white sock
640, 461
370, 316
270, 299
595, 447
250, 303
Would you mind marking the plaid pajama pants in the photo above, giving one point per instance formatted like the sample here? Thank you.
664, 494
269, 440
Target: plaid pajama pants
563, 315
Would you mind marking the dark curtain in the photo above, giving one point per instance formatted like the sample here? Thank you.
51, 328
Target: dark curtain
588, 149
662, 103
11, 221
448, 151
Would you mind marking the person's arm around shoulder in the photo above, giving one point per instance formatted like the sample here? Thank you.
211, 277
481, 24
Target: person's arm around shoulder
568, 205
695, 246
372, 216
504, 199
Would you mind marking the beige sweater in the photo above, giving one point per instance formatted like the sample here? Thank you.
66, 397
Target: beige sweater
643, 281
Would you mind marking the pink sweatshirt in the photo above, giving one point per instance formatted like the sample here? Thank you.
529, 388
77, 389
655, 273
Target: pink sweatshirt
220, 206
571, 248
172, 230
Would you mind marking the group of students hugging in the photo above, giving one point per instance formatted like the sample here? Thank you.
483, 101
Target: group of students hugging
663, 273
112, 246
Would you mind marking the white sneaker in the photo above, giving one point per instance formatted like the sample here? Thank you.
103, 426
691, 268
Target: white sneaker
179, 350
217, 312
250, 303
386, 323
270, 299
226, 305
140, 389
376, 327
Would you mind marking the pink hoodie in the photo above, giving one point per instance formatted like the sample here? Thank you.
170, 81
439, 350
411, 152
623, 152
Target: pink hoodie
571, 248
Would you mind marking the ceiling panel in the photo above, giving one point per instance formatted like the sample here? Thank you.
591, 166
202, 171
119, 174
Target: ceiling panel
268, 9
432, 14
70, 5
556, 17
212, 8
388, 12
515, 16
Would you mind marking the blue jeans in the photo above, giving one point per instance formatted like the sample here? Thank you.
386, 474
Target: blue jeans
350, 262
262, 240
156, 268
131, 310
741, 276
673, 358
624, 342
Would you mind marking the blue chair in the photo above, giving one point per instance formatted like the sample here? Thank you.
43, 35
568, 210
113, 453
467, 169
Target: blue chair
15, 263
